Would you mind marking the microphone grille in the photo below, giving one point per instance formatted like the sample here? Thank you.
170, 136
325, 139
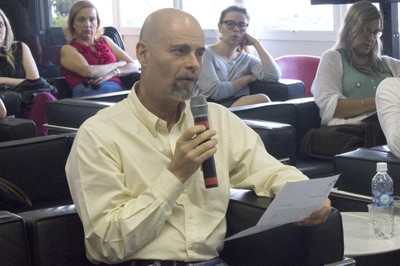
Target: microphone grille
198, 105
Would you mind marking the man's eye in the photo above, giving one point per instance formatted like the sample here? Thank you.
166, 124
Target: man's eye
180, 50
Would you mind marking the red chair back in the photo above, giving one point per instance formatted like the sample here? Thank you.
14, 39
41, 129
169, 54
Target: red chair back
301, 67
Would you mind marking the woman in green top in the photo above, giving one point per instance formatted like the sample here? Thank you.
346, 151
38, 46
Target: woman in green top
348, 75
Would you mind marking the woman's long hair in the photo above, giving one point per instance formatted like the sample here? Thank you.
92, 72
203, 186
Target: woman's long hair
353, 33
78, 6
7, 49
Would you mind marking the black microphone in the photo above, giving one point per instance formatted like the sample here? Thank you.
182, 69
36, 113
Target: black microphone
199, 108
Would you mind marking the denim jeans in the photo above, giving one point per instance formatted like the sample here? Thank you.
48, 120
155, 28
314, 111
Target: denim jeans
86, 90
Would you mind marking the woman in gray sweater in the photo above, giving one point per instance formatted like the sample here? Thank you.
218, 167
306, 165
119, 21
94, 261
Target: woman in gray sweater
228, 68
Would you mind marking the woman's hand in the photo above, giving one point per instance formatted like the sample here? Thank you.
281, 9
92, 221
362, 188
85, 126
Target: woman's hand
248, 40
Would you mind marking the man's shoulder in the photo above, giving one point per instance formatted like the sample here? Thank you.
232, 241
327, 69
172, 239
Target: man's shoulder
220, 111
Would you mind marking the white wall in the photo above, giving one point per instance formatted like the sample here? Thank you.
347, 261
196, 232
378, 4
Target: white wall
284, 47
275, 47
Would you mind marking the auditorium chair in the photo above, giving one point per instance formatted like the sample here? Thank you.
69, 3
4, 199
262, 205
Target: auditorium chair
356, 169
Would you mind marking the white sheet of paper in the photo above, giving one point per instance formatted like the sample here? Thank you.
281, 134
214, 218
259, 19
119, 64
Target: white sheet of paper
295, 201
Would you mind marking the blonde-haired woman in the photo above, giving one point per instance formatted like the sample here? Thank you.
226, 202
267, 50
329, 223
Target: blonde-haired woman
348, 75
92, 63
16, 65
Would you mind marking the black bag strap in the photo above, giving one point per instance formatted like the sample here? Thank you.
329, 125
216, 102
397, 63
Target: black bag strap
15, 191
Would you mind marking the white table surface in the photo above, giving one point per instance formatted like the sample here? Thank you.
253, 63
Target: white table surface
359, 238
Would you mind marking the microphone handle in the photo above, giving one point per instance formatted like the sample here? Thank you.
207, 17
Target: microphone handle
210, 176
208, 166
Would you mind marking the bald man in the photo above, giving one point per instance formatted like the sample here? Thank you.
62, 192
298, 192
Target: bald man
134, 170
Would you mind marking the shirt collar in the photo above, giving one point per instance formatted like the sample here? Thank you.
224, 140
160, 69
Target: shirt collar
150, 120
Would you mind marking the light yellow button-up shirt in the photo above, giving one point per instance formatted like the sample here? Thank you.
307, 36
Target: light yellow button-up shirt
132, 207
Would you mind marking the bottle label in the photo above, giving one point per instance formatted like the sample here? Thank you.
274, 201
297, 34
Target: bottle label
382, 199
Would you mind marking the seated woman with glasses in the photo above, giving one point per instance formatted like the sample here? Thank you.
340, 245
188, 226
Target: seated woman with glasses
228, 68
348, 75
345, 86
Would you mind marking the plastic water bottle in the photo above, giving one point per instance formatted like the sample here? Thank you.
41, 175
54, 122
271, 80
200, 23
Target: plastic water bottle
382, 202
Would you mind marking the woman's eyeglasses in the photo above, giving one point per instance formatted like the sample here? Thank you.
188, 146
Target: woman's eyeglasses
376, 34
230, 25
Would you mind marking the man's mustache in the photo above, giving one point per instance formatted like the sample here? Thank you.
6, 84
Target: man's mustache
193, 77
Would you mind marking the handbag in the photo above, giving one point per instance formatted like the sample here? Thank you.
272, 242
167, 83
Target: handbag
29, 88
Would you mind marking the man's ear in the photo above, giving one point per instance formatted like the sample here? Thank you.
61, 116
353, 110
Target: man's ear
142, 53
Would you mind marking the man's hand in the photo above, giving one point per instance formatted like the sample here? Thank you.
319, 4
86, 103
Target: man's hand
194, 146
319, 216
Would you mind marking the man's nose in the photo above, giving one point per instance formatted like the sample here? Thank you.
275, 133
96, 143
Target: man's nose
194, 61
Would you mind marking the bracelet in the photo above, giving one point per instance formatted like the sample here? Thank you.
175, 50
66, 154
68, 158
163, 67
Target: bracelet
118, 71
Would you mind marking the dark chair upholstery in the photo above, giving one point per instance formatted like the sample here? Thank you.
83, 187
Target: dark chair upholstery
284, 245
282, 90
111, 97
14, 248
356, 169
302, 114
36, 165
56, 236
71, 113
114, 34
53, 229
12, 128
278, 138
12, 101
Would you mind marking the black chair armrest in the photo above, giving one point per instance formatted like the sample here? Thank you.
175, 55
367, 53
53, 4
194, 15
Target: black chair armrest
12, 101
13, 240
282, 90
129, 80
279, 139
12, 128
72, 112
112, 97
56, 236
356, 169
281, 112
284, 245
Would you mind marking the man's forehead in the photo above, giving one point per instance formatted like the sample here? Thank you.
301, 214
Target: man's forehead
183, 38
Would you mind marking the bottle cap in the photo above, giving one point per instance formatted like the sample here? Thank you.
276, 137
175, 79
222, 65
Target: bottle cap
381, 167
